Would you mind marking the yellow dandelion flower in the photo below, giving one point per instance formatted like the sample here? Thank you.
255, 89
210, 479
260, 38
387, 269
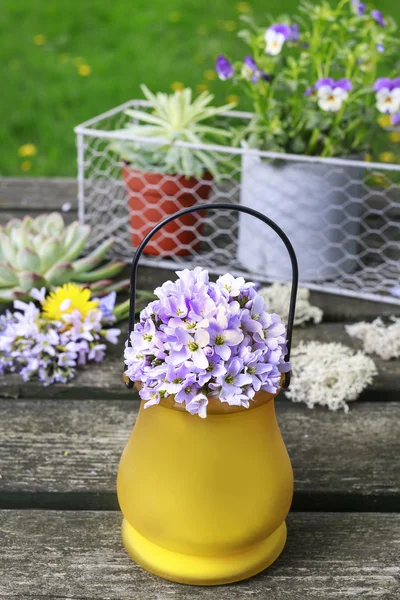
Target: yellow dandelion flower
229, 25
387, 157
177, 86
202, 30
243, 7
233, 98
174, 17
368, 158
394, 136
384, 121
66, 299
27, 150
202, 87
39, 39
25, 166
199, 59
210, 74
84, 70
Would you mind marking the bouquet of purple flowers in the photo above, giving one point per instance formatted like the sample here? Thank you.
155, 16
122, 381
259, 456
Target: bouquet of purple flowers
202, 339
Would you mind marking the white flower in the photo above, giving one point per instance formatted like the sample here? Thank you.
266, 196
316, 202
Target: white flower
331, 99
111, 335
274, 41
233, 285
388, 101
198, 405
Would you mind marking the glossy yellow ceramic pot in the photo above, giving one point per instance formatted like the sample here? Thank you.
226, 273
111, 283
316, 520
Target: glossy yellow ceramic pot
205, 500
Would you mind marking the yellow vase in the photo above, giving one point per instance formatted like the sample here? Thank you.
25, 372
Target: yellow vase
205, 500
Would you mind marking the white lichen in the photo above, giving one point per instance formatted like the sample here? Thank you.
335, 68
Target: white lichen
329, 374
378, 338
277, 297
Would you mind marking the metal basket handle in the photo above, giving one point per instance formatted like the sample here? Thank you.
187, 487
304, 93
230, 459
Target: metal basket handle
224, 206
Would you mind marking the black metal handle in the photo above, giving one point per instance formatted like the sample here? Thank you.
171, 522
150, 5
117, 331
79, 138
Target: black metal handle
224, 206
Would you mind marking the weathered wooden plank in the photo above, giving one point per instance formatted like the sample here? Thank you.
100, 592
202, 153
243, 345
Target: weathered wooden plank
77, 555
37, 193
66, 454
104, 380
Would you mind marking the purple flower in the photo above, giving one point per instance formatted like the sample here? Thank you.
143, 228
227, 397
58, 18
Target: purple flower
309, 90
188, 391
331, 94
198, 405
359, 7
224, 67
380, 47
186, 347
387, 95
275, 37
250, 70
226, 344
378, 16
294, 32
231, 383
395, 120
283, 29
106, 305
386, 83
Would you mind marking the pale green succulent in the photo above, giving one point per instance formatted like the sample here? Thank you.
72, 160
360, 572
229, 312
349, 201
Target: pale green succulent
43, 252
174, 118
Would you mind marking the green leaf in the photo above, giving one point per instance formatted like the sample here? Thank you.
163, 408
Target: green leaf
49, 252
7, 251
59, 273
28, 281
108, 271
27, 260
8, 277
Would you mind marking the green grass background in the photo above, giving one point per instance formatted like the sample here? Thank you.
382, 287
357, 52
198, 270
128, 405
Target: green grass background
124, 43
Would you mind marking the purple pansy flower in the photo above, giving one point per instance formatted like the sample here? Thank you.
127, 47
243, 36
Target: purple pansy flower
378, 16
294, 32
250, 70
275, 36
387, 95
395, 119
224, 67
330, 93
359, 7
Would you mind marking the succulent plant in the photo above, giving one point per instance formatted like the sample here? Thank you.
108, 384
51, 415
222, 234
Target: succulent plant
173, 118
42, 251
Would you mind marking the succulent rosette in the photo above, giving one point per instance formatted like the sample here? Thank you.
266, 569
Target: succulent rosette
201, 339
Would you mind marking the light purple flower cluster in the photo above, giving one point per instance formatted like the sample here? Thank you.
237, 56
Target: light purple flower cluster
202, 339
33, 346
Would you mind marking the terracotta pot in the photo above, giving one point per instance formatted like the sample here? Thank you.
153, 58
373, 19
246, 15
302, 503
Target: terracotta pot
205, 500
154, 196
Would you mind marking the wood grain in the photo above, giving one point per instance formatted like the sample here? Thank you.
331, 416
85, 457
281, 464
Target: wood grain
79, 555
66, 454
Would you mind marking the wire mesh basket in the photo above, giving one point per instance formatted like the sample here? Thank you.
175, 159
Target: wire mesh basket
342, 215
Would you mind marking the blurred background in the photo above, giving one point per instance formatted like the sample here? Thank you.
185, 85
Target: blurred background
66, 61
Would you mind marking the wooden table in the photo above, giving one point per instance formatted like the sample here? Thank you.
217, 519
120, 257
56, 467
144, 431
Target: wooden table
59, 452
